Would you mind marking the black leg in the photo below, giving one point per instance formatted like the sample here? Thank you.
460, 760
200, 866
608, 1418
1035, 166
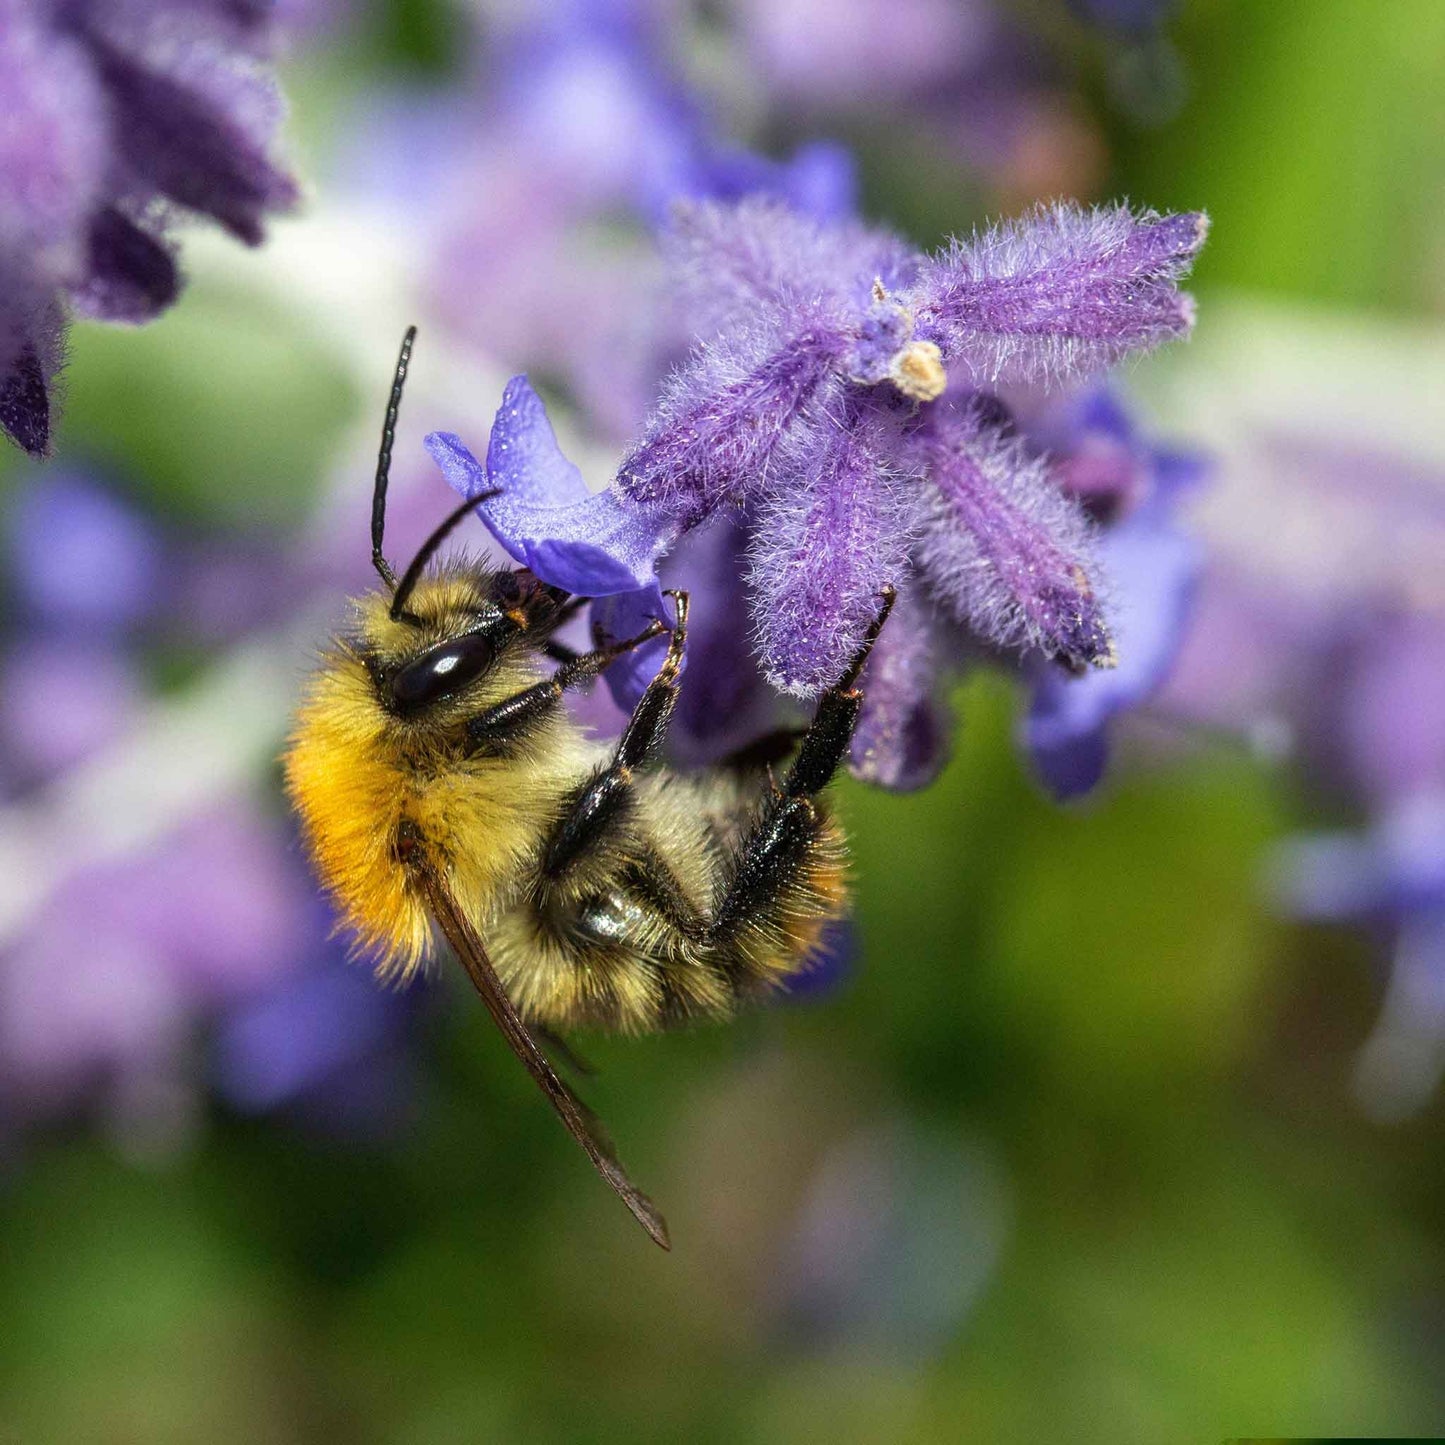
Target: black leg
826, 742
778, 841
498, 728
598, 803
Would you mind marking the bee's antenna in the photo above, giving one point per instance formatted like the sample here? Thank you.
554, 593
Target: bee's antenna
383, 462
428, 550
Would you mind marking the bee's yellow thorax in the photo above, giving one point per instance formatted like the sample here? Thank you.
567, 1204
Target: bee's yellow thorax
354, 776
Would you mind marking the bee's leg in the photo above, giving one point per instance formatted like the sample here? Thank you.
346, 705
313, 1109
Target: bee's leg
595, 807
825, 744
497, 729
769, 855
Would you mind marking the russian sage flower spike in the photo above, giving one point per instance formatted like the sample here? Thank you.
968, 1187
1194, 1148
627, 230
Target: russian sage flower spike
118, 116
836, 397
835, 384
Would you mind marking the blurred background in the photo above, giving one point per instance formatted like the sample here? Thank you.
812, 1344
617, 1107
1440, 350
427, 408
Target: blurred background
1124, 1119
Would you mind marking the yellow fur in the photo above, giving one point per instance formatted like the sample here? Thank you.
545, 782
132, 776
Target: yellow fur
354, 774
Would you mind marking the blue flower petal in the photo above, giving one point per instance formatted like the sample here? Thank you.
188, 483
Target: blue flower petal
623, 615
544, 516
1153, 567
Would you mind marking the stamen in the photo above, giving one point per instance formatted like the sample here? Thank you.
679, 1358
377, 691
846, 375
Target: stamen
917, 371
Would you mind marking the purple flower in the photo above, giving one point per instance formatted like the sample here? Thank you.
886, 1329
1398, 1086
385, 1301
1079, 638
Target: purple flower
904, 730
816, 404
725, 705
1152, 565
120, 115
543, 515
546, 519
814, 396
323, 1041
1002, 545
79, 557
823, 554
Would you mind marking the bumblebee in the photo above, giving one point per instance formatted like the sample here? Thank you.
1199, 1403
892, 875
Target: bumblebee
440, 780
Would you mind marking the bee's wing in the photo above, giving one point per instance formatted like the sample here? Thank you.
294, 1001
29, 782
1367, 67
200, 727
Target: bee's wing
580, 1121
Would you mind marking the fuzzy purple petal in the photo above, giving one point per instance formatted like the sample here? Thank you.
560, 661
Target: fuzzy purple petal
821, 557
32, 340
199, 138
131, 276
902, 738
1000, 545
1153, 568
545, 518
1059, 293
52, 140
721, 424
732, 263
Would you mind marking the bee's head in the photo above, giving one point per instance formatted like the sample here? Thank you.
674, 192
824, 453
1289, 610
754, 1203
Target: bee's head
435, 636
468, 635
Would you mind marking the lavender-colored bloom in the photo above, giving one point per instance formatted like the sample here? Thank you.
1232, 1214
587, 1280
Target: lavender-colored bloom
725, 704
814, 403
625, 615
546, 519
807, 332
81, 558
822, 556
121, 114
1152, 564
902, 738
1060, 293
1003, 546
718, 433
543, 514
789, 313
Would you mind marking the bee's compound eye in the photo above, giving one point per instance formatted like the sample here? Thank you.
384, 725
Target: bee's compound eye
442, 672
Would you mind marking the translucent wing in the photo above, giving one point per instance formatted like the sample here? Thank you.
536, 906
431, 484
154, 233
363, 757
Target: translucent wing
580, 1121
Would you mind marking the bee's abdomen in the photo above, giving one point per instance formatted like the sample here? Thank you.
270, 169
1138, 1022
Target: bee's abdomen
657, 950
